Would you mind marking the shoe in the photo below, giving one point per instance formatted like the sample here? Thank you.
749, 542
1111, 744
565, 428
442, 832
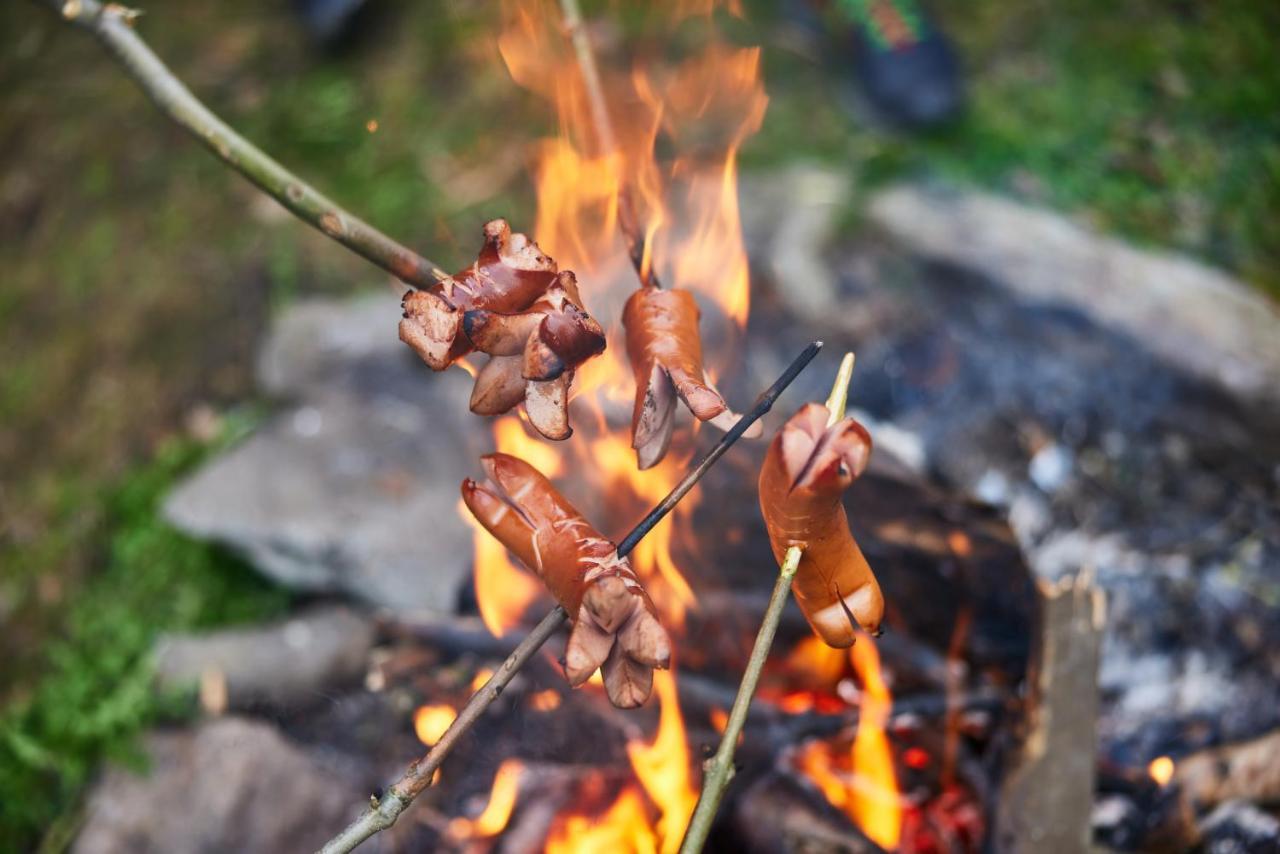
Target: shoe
904, 63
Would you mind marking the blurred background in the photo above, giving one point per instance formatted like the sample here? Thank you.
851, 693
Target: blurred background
139, 275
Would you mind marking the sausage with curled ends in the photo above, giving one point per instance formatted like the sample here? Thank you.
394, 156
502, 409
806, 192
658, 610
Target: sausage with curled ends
509, 275
615, 626
665, 351
807, 468
533, 355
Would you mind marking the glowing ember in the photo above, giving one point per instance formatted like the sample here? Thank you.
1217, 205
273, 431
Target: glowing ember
545, 701
1161, 770
430, 722
502, 801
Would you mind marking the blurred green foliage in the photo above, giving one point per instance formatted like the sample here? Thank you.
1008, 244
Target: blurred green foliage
94, 694
1153, 120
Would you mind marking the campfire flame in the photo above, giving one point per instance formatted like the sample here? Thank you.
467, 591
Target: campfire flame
497, 812
864, 783
698, 111
662, 766
664, 778
874, 803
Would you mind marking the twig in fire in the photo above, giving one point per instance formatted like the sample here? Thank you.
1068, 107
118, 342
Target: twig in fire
383, 812
719, 768
628, 221
112, 25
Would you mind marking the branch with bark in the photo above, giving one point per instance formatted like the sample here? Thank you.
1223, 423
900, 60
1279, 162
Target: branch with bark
112, 25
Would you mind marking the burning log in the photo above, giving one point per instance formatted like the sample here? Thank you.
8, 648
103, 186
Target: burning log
615, 626
811, 461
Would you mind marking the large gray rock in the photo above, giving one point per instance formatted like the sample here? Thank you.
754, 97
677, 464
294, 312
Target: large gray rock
1195, 317
229, 785
284, 665
354, 487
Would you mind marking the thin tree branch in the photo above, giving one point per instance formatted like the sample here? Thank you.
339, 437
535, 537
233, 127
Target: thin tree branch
718, 770
628, 221
112, 25
383, 812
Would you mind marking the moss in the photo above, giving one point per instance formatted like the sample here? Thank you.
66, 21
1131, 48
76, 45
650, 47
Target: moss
94, 693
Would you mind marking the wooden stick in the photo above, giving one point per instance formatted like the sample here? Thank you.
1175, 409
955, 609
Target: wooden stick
112, 25
718, 770
383, 812
628, 222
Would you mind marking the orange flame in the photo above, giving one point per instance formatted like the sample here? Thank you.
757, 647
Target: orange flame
430, 722
875, 803
663, 771
497, 812
624, 827
663, 766
864, 783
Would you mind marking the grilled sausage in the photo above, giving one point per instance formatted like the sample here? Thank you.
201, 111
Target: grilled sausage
615, 625
533, 355
509, 275
666, 357
806, 469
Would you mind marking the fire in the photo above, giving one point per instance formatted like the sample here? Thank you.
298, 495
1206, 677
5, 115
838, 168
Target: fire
875, 803
623, 828
502, 802
430, 722
504, 591
663, 766
1161, 770
862, 784
663, 771
653, 561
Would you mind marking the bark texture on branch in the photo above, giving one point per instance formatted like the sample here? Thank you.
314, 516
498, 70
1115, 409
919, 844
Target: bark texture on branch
112, 25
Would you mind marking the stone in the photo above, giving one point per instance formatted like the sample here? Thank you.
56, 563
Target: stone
353, 488
1195, 317
228, 785
283, 665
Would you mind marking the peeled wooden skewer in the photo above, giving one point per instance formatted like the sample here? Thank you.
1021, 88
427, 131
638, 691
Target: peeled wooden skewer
718, 770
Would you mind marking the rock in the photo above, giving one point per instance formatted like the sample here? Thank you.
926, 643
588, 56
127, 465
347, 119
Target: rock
282, 665
229, 785
354, 488
1194, 316
1238, 827
789, 223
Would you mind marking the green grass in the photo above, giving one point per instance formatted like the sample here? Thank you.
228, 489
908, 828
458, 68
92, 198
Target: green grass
1151, 120
94, 693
